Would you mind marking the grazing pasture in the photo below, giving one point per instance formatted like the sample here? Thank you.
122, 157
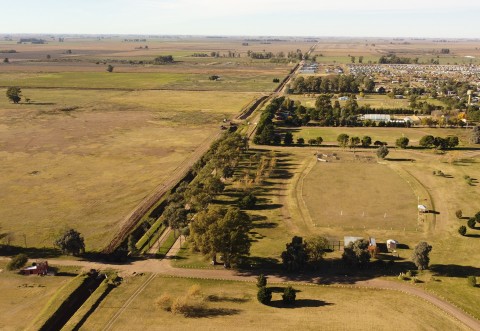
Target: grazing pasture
354, 195
87, 168
234, 306
23, 297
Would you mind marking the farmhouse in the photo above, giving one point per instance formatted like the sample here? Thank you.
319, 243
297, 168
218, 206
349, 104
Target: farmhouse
39, 268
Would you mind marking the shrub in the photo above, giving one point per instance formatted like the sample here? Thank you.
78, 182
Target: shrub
17, 262
247, 201
459, 213
188, 308
164, 302
289, 295
472, 281
194, 290
471, 222
408, 274
415, 280
264, 295
261, 281
462, 230
402, 276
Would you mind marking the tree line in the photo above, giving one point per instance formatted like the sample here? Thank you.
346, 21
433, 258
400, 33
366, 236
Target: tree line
332, 84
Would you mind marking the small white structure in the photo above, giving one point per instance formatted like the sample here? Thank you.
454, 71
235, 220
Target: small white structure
422, 208
376, 117
392, 244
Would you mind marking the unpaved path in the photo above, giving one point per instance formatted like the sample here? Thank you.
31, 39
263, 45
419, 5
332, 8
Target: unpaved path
164, 267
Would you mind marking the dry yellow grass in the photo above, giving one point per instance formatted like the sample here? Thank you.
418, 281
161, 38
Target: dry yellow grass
234, 307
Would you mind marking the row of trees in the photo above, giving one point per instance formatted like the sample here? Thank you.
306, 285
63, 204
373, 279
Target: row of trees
430, 141
332, 84
300, 254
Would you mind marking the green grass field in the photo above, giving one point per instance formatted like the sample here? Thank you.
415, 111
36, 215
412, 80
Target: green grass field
118, 80
389, 135
233, 306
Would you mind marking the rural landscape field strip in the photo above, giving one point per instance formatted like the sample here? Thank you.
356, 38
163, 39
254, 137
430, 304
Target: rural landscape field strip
135, 294
163, 267
131, 220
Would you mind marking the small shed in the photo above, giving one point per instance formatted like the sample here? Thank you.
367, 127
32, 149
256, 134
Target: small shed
392, 244
422, 208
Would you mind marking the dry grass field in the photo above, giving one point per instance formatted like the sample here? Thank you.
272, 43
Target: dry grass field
90, 145
353, 195
23, 297
88, 167
233, 306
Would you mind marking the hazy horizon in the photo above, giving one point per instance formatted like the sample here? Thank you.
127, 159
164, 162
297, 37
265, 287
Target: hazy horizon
377, 19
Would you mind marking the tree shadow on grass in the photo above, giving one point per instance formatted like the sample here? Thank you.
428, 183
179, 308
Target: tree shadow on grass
300, 303
399, 159
31, 252
223, 298
454, 270
202, 312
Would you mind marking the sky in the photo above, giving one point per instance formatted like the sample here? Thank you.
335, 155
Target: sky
349, 18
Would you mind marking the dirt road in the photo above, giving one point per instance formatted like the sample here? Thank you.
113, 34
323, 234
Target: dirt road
164, 267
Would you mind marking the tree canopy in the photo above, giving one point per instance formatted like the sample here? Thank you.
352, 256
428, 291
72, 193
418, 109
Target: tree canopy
420, 255
221, 231
294, 258
70, 242
356, 253
14, 94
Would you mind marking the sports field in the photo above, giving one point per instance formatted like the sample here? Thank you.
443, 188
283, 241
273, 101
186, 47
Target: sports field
353, 195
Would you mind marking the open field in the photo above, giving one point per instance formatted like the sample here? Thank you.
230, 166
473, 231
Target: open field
233, 306
352, 195
89, 167
175, 81
389, 135
23, 297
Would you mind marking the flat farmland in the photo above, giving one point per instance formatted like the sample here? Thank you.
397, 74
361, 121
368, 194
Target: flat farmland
177, 81
23, 297
233, 306
88, 168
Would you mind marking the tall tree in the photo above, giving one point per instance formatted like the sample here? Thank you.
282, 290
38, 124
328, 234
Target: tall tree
382, 152
420, 255
294, 257
14, 94
356, 253
288, 139
402, 142
316, 248
366, 141
70, 242
343, 139
221, 231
